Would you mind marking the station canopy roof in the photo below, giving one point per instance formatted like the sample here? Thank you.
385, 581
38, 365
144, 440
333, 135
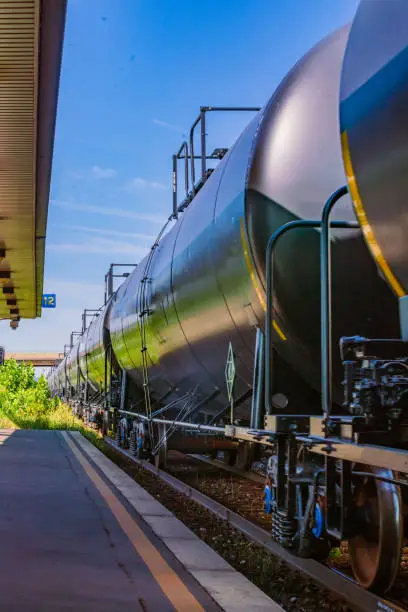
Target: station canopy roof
31, 37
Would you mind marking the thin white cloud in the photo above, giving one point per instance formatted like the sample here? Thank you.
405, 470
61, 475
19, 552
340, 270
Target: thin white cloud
77, 175
72, 291
111, 212
138, 183
69, 286
169, 126
103, 173
108, 232
100, 245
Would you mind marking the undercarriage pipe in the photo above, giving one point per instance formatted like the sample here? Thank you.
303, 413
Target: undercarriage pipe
195, 426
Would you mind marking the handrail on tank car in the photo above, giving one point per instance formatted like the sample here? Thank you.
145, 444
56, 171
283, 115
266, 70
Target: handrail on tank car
109, 276
270, 279
326, 302
73, 334
201, 119
89, 312
183, 147
217, 154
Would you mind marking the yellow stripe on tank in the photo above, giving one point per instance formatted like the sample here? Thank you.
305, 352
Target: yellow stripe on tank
254, 279
363, 220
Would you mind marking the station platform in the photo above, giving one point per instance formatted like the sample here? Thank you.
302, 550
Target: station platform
77, 533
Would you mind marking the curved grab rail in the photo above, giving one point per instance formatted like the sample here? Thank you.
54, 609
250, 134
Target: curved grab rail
326, 346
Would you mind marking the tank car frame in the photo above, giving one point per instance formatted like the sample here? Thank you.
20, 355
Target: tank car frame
330, 478
352, 481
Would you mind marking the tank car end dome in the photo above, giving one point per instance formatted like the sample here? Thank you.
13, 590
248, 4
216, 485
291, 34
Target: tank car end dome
374, 131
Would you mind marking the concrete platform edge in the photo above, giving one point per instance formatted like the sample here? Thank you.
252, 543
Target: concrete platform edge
229, 589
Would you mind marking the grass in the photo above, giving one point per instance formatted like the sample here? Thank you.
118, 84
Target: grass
60, 418
26, 403
6, 423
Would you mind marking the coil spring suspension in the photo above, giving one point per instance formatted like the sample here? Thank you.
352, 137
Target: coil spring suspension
133, 443
117, 436
116, 428
283, 528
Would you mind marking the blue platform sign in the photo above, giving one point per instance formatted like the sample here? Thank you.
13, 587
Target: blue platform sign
49, 300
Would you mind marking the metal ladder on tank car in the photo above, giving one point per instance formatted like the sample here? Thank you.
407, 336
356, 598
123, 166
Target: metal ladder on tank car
142, 299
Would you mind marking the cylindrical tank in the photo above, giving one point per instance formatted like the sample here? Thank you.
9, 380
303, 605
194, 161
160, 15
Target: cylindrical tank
61, 378
374, 130
73, 371
68, 368
95, 352
205, 285
62, 374
83, 368
96, 341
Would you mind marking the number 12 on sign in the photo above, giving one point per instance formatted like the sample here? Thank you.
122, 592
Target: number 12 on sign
49, 300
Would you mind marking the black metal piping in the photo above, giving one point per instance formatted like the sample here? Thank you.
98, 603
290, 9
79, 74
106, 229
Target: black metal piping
192, 168
175, 215
177, 156
218, 414
326, 302
203, 145
105, 386
194, 409
258, 380
299, 223
196, 426
242, 398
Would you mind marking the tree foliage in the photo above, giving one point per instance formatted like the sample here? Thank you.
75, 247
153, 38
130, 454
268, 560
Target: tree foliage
21, 394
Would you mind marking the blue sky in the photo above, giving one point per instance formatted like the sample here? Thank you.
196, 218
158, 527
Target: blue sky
134, 75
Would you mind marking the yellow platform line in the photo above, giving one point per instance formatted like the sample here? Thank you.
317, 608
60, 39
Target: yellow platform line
168, 580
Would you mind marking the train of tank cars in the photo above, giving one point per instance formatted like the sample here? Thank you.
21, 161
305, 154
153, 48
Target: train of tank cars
248, 327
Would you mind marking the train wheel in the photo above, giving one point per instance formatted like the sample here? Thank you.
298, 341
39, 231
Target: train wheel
376, 550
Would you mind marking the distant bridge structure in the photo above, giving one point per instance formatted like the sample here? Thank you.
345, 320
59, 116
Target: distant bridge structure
37, 359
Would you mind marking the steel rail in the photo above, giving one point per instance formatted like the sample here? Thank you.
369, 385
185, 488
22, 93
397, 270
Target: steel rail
342, 586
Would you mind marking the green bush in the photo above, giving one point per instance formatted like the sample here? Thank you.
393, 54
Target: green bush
23, 396
26, 403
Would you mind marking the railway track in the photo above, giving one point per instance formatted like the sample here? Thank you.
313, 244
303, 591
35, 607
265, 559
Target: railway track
181, 475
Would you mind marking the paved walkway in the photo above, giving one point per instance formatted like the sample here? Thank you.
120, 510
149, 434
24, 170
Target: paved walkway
77, 533
61, 546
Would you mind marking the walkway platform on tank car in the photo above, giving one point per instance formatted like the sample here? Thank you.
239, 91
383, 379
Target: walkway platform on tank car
77, 533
